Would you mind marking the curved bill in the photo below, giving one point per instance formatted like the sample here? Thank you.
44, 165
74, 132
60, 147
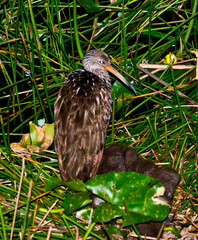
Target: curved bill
121, 78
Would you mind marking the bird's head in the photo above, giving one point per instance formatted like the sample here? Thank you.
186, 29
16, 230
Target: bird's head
98, 63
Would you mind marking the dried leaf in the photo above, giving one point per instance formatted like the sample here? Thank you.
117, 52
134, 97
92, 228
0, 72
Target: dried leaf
39, 138
25, 140
16, 147
33, 148
48, 136
36, 134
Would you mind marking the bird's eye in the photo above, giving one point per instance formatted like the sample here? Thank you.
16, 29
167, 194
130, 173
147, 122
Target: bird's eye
102, 62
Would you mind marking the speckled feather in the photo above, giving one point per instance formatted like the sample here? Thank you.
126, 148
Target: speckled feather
82, 112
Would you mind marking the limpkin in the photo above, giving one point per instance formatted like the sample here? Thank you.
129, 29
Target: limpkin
82, 112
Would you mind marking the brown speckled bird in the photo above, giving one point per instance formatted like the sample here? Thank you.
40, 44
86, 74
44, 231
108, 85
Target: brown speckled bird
82, 112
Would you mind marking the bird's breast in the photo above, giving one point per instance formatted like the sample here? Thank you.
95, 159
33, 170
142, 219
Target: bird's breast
84, 99
85, 84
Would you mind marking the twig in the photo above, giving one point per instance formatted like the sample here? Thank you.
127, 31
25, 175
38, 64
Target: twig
196, 54
143, 84
27, 209
49, 233
164, 66
17, 199
165, 84
47, 213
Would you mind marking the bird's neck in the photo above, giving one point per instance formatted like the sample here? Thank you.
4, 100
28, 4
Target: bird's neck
102, 74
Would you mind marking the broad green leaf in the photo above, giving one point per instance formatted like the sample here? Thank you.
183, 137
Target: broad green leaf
119, 91
89, 5
33, 134
157, 215
105, 212
77, 185
36, 134
133, 193
51, 184
49, 130
76, 201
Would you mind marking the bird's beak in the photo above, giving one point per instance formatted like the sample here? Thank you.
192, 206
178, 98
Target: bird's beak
121, 78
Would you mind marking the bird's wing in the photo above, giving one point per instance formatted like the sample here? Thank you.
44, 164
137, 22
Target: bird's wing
82, 112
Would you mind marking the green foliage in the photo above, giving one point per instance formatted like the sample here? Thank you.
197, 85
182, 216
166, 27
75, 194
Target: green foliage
37, 133
34, 135
128, 194
89, 5
77, 185
39, 139
49, 130
76, 201
133, 196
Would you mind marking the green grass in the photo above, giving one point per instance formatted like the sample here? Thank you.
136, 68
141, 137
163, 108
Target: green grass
40, 43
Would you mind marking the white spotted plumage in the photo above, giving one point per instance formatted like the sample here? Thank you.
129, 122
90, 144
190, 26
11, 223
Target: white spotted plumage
82, 112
